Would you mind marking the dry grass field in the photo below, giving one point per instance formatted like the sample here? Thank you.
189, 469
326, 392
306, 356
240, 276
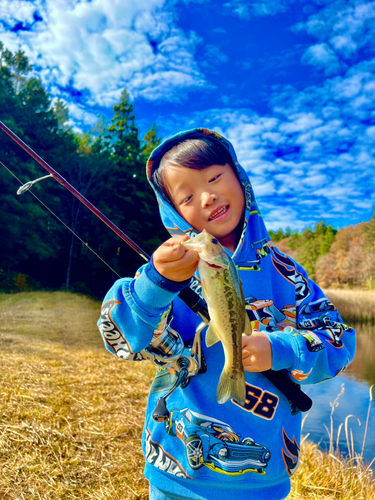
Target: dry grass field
71, 414
354, 305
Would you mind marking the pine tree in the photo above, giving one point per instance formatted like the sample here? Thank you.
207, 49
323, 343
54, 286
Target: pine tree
61, 112
28, 232
18, 65
151, 141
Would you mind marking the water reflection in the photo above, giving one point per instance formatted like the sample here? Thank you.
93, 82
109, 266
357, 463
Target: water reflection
357, 379
363, 365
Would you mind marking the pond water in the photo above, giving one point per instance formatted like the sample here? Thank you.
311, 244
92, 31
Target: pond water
355, 382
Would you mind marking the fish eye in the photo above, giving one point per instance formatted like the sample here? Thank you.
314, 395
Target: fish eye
214, 241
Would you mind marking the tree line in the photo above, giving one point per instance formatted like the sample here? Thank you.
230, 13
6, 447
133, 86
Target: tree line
342, 258
106, 164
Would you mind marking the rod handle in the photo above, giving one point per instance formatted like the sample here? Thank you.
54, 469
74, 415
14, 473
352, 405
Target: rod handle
290, 390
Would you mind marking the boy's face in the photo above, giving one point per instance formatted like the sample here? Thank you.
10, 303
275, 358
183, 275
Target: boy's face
210, 199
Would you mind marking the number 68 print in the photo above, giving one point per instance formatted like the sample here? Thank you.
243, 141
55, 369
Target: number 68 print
261, 403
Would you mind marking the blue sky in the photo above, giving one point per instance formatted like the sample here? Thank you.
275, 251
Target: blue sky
290, 82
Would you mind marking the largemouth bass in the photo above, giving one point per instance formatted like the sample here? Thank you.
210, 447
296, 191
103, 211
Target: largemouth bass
222, 290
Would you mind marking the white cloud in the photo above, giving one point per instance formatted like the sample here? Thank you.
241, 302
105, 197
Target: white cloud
344, 45
338, 192
363, 204
315, 180
301, 122
322, 55
213, 56
263, 187
80, 115
162, 85
370, 132
341, 28
14, 11
347, 88
257, 8
283, 217
99, 47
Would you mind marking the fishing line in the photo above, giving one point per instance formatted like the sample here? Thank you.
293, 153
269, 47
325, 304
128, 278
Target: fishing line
62, 222
291, 390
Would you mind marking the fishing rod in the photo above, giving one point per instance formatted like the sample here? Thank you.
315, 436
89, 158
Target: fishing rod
292, 391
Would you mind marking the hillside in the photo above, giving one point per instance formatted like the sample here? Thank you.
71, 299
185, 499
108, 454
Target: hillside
335, 259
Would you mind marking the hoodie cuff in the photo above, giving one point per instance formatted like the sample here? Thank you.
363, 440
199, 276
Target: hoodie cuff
284, 351
154, 289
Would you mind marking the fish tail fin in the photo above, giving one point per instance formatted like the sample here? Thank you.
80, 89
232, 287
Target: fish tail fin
231, 386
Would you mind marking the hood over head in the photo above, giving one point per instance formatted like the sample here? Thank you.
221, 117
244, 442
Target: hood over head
176, 225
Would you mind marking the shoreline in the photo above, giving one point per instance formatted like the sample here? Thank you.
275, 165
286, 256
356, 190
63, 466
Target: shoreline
354, 305
58, 392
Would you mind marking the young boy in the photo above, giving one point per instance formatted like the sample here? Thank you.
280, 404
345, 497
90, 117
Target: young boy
206, 450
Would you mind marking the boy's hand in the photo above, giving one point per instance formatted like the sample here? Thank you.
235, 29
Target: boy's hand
174, 261
256, 352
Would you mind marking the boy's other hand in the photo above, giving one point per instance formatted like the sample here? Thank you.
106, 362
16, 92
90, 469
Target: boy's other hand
256, 352
174, 261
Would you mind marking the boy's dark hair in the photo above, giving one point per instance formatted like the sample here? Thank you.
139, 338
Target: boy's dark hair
192, 153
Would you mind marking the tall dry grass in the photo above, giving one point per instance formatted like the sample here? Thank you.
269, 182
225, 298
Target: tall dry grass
71, 414
354, 305
330, 475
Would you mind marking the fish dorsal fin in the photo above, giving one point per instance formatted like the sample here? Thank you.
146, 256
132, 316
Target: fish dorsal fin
241, 288
211, 335
248, 330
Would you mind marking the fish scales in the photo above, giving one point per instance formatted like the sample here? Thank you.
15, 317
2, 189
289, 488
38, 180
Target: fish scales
226, 305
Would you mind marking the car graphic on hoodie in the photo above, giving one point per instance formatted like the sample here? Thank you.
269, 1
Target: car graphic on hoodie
212, 443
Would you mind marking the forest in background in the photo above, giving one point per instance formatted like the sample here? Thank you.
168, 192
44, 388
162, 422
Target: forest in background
107, 165
334, 258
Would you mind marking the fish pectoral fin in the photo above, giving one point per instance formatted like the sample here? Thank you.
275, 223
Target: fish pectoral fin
211, 336
248, 328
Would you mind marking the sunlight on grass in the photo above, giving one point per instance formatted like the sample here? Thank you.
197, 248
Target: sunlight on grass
71, 414
331, 475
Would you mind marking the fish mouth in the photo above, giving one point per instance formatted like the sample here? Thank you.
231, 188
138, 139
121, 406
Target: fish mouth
214, 266
213, 261
218, 212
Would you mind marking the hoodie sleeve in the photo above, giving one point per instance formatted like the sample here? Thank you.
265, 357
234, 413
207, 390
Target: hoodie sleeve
134, 310
321, 346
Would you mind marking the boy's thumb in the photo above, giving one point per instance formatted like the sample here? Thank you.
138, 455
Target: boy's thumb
179, 249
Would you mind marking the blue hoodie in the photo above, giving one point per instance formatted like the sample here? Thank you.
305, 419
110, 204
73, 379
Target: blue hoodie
211, 451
